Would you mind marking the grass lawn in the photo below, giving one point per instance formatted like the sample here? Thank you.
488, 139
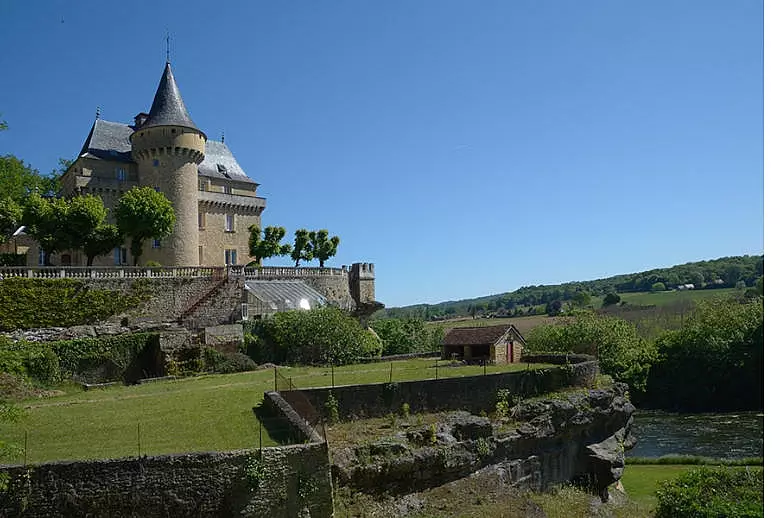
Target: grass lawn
206, 413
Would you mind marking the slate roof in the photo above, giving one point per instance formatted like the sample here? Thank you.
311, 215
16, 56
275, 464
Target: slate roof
285, 295
111, 141
108, 141
487, 335
220, 163
168, 107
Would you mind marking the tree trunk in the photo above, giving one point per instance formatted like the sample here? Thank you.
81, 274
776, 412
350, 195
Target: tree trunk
90, 258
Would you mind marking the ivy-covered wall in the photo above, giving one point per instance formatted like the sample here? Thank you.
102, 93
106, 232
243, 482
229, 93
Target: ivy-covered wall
30, 303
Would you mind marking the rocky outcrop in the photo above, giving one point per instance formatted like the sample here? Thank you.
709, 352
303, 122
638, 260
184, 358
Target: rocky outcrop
576, 436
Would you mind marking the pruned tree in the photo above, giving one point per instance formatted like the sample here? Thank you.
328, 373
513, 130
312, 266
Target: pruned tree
101, 241
143, 213
323, 248
302, 249
85, 214
270, 245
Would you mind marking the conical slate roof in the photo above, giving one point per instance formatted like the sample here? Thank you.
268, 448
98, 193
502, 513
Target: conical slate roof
168, 107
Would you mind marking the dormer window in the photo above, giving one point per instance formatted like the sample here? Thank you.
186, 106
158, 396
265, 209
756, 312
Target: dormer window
227, 189
121, 174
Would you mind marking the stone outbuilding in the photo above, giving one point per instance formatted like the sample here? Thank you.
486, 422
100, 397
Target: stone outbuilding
494, 344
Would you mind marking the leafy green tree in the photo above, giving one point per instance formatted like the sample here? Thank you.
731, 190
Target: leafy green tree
270, 245
10, 218
318, 336
101, 241
621, 351
610, 299
714, 362
554, 308
18, 180
302, 249
323, 248
46, 220
84, 215
143, 213
408, 335
581, 298
658, 286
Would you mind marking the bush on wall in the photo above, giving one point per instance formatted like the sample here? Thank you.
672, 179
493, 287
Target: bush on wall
30, 303
319, 336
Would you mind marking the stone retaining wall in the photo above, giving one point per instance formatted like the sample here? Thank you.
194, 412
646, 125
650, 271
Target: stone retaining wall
287, 481
473, 393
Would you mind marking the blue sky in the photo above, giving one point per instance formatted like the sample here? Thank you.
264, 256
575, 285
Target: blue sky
465, 147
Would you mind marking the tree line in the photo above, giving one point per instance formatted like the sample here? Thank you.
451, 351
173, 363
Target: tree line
737, 271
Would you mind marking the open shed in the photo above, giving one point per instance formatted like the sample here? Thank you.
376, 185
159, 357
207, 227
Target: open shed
494, 344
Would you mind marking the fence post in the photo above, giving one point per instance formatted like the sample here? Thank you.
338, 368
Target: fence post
25, 447
290, 380
276, 384
484, 367
391, 372
437, 368
139, 439
332, 377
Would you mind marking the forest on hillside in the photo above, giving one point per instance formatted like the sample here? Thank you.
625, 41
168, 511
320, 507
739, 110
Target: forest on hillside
724, 272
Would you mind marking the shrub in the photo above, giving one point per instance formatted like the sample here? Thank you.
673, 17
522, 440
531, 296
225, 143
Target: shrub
43, 365
318, 336
622, 353
410, 335
712, 493
332, 408
226, 363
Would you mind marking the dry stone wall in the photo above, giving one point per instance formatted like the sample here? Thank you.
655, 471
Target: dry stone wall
288, 481
474, 393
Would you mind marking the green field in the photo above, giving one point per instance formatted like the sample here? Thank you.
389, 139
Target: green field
659, 299
206, 413
665, 298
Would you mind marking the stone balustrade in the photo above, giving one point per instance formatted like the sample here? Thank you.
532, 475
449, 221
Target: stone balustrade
137, 272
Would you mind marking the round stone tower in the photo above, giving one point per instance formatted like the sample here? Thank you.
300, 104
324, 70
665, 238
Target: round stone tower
168, 146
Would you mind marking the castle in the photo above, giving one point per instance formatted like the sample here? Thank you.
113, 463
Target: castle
214, 200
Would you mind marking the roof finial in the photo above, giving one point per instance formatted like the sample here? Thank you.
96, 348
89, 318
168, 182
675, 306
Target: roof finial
167, 47
97, 113
223, 137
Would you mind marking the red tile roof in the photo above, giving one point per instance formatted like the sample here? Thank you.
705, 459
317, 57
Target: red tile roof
486, 335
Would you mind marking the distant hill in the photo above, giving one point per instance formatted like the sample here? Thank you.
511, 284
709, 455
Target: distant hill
716, 273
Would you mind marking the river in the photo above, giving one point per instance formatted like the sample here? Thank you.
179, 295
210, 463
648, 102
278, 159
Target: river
725, 435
